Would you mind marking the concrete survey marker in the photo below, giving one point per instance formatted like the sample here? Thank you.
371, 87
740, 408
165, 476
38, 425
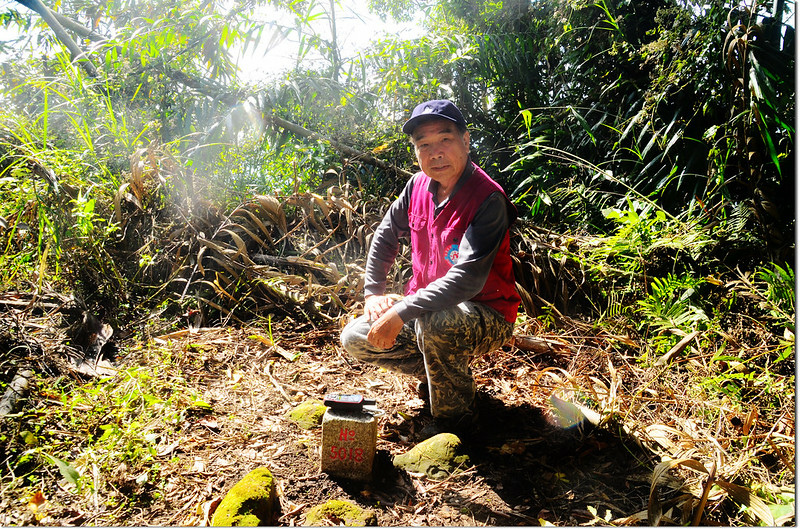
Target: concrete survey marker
349, 439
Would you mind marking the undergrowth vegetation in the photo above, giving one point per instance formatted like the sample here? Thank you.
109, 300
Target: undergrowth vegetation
649, 147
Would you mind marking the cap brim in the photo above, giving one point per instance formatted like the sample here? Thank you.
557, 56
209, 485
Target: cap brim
411, 124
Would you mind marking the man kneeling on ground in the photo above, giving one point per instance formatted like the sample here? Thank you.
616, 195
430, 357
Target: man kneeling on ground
461, 300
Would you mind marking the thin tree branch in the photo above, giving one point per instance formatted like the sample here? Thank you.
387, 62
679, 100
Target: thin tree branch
75, 51
78, 28
233, 99
301, 131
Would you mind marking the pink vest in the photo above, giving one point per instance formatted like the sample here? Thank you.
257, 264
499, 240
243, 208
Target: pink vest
434, 242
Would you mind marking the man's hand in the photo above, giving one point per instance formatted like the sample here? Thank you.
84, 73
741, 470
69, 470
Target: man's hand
384, 330
375, 306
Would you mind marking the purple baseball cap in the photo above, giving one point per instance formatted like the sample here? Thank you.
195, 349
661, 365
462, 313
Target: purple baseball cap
441, 108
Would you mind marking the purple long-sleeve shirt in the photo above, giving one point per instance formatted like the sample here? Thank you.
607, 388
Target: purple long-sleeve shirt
465, 278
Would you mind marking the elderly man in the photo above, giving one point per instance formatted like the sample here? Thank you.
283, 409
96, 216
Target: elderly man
461, 300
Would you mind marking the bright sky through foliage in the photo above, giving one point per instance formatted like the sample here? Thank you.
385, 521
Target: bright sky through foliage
356, 28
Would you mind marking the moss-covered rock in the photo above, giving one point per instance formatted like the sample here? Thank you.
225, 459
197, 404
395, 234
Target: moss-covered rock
251, 502
437, 457
308, 414
340, 512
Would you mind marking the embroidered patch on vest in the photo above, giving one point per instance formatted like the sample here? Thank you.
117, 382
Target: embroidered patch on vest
451, 254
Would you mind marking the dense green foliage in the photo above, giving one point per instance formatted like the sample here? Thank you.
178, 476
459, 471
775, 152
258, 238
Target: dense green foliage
581, 103
588, 113
663, 129
665, 126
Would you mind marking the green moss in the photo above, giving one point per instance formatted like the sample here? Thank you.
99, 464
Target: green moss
437, 457
340, 512
249, 503
307, 415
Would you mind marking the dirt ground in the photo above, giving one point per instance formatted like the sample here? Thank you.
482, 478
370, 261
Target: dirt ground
526, 470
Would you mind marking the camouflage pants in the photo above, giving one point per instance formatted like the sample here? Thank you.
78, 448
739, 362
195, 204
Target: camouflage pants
437, 347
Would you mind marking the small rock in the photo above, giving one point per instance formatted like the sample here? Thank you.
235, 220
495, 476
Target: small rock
437, 457
251, 502
340, 513
308, 414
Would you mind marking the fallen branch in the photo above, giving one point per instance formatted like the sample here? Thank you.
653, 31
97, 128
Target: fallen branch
539, 345
16, 392
677, 349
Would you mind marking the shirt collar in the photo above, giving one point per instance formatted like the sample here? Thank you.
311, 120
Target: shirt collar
434, 185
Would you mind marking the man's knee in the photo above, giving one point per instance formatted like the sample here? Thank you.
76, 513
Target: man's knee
354, 337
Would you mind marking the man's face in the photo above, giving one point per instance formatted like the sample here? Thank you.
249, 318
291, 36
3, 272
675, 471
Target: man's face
442, 151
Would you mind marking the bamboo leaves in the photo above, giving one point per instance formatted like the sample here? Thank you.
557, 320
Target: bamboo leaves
268, 256
274, 212
742, 495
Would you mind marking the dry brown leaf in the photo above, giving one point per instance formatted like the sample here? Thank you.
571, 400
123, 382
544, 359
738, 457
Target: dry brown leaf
249, 232
745, 497
168, 449
36, 501
208, 508
137, 174
322, 205
229, 266
660, 433
654, 510
199, 465
241, 248
272, 207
